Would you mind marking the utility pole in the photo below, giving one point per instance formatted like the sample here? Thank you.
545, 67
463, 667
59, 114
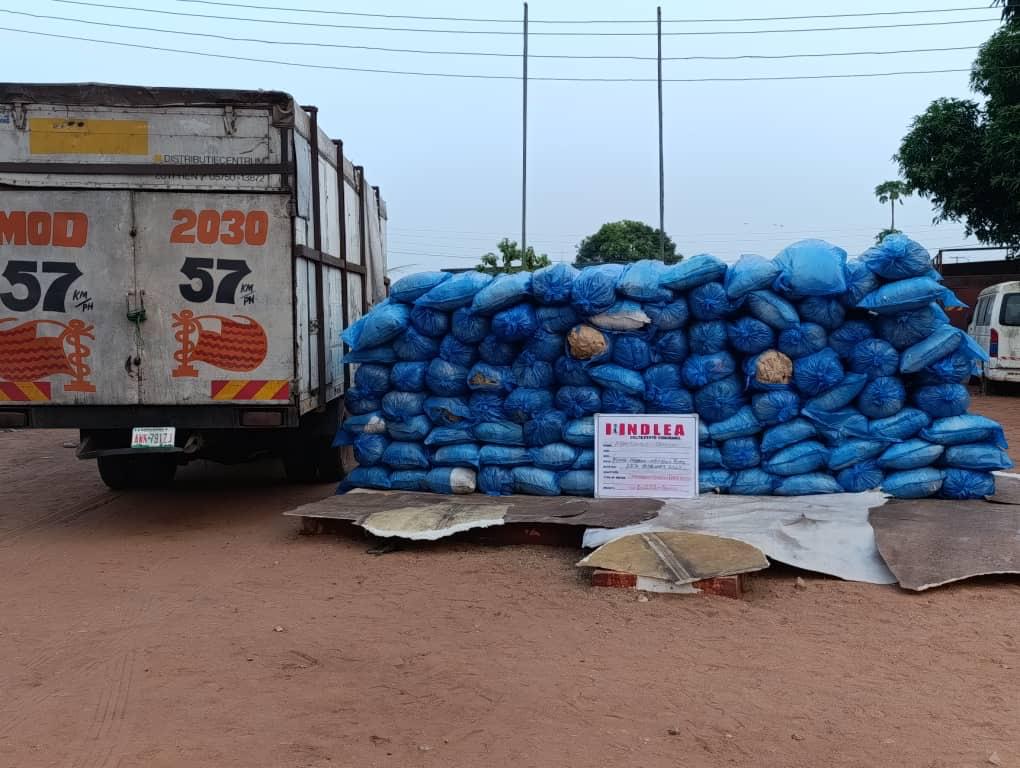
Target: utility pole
524, 144
662, 171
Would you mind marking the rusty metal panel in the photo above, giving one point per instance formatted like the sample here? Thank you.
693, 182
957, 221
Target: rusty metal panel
66, 270
216, 275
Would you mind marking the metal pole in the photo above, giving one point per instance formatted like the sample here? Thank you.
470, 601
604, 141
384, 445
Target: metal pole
524, 147
662, 172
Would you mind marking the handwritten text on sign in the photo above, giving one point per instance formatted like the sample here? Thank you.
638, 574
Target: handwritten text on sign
646, 455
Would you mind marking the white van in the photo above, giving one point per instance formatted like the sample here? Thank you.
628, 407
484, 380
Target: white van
996, 327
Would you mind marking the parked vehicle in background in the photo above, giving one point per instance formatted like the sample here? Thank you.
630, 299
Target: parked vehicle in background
996, 327
176, 267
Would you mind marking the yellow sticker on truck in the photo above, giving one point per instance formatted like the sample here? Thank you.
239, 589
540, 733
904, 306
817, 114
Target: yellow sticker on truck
73, 136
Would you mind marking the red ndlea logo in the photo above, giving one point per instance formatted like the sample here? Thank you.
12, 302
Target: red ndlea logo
645, 429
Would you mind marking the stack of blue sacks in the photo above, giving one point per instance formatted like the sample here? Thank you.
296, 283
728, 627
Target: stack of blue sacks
811, 373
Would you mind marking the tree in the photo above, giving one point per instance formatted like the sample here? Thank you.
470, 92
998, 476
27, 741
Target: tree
1010, 9
625, 240
510, 259
884, 234
965, 156
890, 192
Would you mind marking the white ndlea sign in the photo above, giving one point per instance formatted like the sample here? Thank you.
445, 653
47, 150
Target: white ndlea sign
652, 455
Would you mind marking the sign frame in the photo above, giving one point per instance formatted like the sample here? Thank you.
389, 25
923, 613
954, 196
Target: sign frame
648, 429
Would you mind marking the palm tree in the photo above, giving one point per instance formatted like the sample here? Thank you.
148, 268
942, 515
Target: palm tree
1010, 9
890, 192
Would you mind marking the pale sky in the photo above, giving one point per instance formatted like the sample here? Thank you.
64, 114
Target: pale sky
750, 166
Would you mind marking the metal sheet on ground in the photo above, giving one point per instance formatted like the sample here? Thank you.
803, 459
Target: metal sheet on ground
827, 534
677, 557
433, 522
931, 543
1007, 488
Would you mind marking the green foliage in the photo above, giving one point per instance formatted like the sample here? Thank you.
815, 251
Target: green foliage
884, 233
621, 241
510, 259
890, 192
1010, 9
965, 156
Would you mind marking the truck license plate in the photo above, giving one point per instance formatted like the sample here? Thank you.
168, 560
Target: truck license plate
153, 437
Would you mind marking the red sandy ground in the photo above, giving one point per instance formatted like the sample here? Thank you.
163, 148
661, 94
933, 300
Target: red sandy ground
197, 628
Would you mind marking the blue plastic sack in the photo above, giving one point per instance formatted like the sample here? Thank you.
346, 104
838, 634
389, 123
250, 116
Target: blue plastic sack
496, 352
941, 401
860, 281
714, 480
964, 484
743, 423
640, 281
817, 372
882, 397
440, 436
960, 430
372, 423
750, 336
515, 324
897, 257
384, 355
828, 313
912, 454
578, 483
468, 327
545, 428
580, 432
720, 399
668, 316
556, 456
430, 322
710, 302
704, 436
556, 319
499, 433
523, 404
594, 290
530, 372
624, 315
776, 407
408, 377
750, 273
409, 480
409, 288
503, 292
578, 401
372, 379
783, 435
571, 373
446, 379
807, 485
383, 324
861, 477
662, 376
768, 371
545, 346
900, 426
914, 293
709, 337
692, 272
811, 268
943, 341
367, 477
399, 455
486, 406
905, 329
740, 453
802, 339
772, 309
669, 401
414, 347
412, 430
632, 352
496, 480
490, 378
448, 480
671, 347
853, 452
752, 482
619, 379
838, 426
709, 457
458, 291
459, 455
454, 351
535, 481
585, 459
978, 457
448, 411
401, 406
553, 284
357, 402
614, 401
874, 358
845, 338
369, 449
914, 483
957, 368
588, 344
840, 395
700, 370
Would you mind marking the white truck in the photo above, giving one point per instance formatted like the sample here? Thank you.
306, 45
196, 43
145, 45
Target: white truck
176, 267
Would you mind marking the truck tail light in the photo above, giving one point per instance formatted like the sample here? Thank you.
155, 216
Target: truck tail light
993, 343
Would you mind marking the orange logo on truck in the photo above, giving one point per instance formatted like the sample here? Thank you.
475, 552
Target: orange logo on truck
239, 345
27, 355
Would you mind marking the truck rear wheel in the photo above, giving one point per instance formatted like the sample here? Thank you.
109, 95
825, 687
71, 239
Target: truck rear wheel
121, 472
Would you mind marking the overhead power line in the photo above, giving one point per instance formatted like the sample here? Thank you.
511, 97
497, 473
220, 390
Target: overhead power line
475, 76
319, 24
497, 54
